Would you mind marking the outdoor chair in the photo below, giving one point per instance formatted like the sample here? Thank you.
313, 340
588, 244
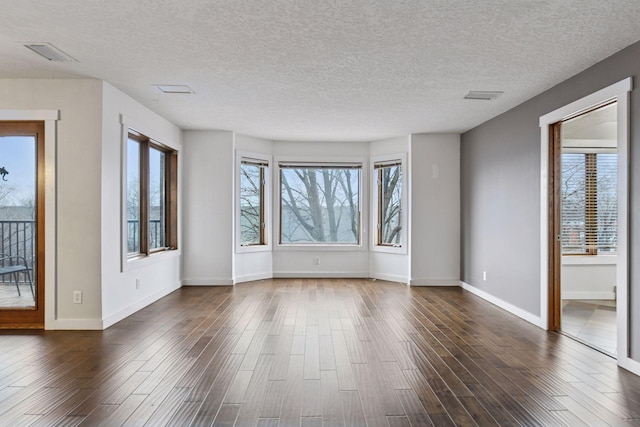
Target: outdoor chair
13, 266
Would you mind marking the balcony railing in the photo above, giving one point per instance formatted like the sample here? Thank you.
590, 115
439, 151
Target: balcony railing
18, 240
156, 234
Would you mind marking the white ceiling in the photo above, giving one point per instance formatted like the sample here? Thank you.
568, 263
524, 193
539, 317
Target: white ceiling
320, 69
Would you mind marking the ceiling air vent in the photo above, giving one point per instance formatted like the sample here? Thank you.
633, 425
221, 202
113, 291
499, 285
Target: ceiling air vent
483, 95
50, 52
174, 88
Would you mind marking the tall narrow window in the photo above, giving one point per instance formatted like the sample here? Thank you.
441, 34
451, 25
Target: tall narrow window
389, 209
253, 176
133, 196
151, 196
320, 203
157, 196
589, 203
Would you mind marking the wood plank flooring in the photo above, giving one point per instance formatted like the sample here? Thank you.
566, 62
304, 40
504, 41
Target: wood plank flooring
312, 352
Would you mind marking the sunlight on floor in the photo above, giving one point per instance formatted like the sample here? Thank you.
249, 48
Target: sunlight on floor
591, 321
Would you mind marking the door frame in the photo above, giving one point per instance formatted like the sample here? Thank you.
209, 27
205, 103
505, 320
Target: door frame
618, 92
50, 118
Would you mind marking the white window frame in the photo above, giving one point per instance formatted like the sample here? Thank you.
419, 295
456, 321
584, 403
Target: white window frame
375, 247
246, 155
363, 190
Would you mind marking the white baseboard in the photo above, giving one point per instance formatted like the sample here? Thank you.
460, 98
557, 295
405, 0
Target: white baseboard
435, 282
78, 325
137, 306
389, 277
629, 364
320, 274
252, 277
207, 282
525, 315
589, 295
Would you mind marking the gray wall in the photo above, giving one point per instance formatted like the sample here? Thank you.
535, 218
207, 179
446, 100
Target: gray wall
500, 191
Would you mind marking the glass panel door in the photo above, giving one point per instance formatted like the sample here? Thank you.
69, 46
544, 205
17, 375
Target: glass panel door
20, 296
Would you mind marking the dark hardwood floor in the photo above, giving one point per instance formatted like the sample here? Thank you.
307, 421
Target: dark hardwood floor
309, 352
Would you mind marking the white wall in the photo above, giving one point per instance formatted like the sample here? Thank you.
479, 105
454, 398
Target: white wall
78, 182
385, 265
211, 257
435, 209
334, 262
588, 277
208, 213
255, 265
158, 274
88, 193
88, 199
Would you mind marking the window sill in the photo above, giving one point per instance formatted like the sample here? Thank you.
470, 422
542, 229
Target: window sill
319, 247
399, 250
253, 249
590, 260
142, 261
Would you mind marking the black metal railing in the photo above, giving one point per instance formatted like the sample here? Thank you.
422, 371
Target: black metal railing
17, 239
156, 234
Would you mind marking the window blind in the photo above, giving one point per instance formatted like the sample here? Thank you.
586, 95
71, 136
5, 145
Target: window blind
589, 203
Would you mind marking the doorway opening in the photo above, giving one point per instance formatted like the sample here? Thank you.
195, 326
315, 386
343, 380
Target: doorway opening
550, 211
588, 221
21, 224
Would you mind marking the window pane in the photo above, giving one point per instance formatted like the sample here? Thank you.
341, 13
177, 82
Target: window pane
133, 196
391, 200
251, 209
589, 211
18, 199
156, 199
574, 239
607, 216
320, 205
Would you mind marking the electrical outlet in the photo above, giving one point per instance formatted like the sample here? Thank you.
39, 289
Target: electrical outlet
137, 283
316, 261
77, 297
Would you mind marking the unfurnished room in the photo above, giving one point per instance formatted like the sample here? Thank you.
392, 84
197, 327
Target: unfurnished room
319, 213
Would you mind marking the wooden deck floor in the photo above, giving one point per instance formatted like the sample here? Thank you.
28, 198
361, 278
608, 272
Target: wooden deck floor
312, 353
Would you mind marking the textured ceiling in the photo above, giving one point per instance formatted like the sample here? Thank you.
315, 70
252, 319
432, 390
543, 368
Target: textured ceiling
320, 70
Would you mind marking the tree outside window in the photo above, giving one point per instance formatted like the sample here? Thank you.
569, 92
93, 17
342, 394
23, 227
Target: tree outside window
320, 204
589, 203
151, 199
253, 175
389, 197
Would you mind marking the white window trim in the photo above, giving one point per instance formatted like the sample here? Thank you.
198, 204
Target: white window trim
620, 93
131, 263
363, 191
374, 247
246, 155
